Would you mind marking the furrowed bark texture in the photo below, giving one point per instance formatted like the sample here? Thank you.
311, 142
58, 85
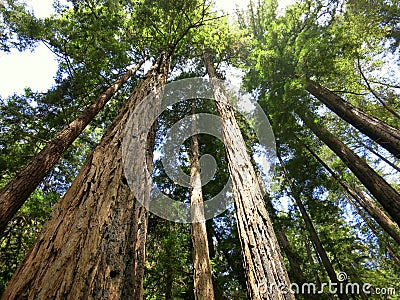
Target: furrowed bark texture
86, 249
385, 135
313, 233
373, 210
17, 191
203, 284
379, 188
265, 270
143, 217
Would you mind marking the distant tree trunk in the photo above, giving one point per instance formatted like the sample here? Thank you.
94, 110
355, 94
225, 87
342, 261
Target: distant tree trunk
377, 97
265, 270
17, 191
313, 233
380, 156
311, 261
373, 229
218, 291
373, 210
169, 281
203, 285
379, 188
86, 249
296, 272
385, 135
231, 262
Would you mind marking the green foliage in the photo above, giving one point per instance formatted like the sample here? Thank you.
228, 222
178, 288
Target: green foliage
332, 42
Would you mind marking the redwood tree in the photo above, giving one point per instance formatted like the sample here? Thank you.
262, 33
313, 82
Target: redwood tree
385, 194
385, 135
203, 283
263, 263
86, 249
17, 191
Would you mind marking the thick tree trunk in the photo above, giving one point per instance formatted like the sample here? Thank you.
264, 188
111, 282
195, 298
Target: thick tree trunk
86, 249
265, 270
203, 285
373, 210
313, 233
17, 191
385, 135
379, 188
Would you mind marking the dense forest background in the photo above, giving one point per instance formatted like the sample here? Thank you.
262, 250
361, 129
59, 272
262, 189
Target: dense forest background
327, 75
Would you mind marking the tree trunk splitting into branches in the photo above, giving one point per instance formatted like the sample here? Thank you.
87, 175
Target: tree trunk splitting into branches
203, 284
265, 270
17, 191
87, 248
385, 135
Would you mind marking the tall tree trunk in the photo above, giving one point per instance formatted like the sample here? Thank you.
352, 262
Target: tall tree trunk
265, 270
373, 229
169, 273
311, 261
218, 291
379, 188
86, 249
296, 272
385, 135
313, 233
375, 94
203, 285
376, 153
17, 191
373, 210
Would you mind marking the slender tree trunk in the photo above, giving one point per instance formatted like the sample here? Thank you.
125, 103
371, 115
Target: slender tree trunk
311, 261
380, 156
203, 285
385, 135
265, 270
236, 268
218, 291
86, 249
313, 233
377, 97
373, 229
169, 273
296, 272
373, 210
379, 188
17, 191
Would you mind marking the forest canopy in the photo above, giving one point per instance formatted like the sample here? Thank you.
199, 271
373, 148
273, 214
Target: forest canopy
322, 79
